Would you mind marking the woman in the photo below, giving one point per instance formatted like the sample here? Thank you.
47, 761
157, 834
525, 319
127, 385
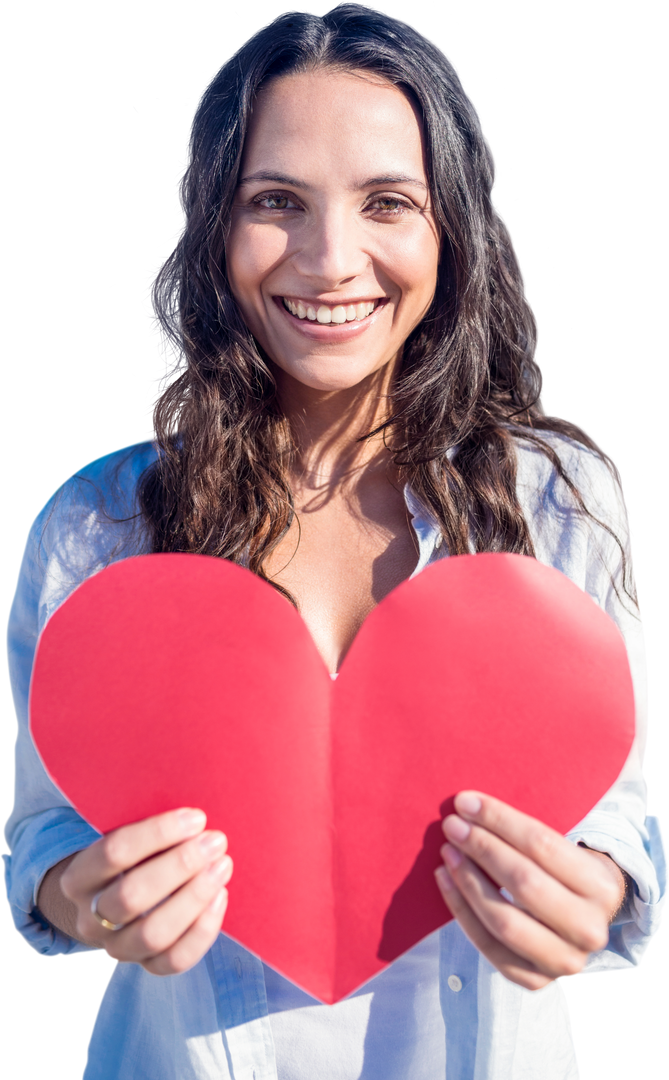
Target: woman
359, 398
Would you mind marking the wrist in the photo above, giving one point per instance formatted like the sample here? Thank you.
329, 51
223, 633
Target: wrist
56, 908
621, 878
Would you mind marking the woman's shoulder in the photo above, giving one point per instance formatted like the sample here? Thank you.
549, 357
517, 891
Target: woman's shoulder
580, 462
551, 466
112, 478
137, 456
93, 519
563, 444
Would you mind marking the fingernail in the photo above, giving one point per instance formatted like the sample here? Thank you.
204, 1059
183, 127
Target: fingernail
468, 803
451, 856
192, 821
211, 842
219, 902
456, 829
444, 879
221, 868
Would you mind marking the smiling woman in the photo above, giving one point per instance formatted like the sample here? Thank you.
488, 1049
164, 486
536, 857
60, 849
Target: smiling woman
356, 105
358, 398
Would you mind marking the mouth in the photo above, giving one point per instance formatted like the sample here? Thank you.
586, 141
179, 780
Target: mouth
336, 314
331, 333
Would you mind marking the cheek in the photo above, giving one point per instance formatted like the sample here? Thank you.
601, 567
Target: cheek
252, 253
412, 261
244, 270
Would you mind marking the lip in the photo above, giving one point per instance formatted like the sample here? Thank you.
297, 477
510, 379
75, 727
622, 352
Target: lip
330, 331
338, 300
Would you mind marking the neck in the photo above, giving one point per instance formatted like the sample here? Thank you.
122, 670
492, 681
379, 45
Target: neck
327, 425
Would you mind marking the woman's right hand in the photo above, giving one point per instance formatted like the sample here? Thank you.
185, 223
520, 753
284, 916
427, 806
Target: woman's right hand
163, 879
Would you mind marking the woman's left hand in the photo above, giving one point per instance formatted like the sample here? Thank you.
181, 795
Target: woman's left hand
565, 895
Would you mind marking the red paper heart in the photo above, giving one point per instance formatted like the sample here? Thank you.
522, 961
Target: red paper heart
181, 680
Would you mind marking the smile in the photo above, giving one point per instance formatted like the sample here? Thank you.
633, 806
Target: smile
334, 325
326, 313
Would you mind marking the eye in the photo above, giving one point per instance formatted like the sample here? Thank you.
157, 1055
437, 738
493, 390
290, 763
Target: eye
273, 196
402, 206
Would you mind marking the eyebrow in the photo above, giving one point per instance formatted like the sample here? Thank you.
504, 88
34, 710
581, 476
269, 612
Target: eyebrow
290, 181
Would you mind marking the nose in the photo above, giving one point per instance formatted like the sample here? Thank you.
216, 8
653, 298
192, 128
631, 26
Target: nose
332, 250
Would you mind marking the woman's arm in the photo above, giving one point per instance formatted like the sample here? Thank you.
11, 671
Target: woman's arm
621, 877
55, 907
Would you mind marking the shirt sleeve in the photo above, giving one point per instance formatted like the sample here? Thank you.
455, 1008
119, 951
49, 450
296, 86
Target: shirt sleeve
85, 526
595, 553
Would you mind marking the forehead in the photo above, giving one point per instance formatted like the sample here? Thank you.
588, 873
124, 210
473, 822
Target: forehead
334, 123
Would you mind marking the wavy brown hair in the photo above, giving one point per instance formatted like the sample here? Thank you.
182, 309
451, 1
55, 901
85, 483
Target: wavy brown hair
468, 378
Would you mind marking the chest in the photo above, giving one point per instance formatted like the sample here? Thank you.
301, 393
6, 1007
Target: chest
343, 553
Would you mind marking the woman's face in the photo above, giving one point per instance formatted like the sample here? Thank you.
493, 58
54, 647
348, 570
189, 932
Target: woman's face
333, 250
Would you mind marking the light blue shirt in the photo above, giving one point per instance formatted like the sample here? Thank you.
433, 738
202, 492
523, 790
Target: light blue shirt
214, 1020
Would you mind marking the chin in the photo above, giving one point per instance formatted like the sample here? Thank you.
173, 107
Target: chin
329, 382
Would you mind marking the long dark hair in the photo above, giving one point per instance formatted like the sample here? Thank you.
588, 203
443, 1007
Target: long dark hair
468, 378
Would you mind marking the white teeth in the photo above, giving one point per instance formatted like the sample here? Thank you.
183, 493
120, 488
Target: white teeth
338, 314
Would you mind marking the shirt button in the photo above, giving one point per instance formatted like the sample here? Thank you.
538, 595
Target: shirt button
455, 983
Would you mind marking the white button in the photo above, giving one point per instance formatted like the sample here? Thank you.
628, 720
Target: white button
455, 983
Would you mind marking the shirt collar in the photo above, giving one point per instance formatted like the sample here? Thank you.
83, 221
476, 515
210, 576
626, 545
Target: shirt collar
425, 525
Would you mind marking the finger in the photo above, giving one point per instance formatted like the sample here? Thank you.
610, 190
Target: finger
522, 934
543, 845
161, 928
193, 945
140, 889
578, 920
125, 847
513, 967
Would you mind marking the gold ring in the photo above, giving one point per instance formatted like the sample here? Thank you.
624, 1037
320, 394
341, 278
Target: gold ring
103, 922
